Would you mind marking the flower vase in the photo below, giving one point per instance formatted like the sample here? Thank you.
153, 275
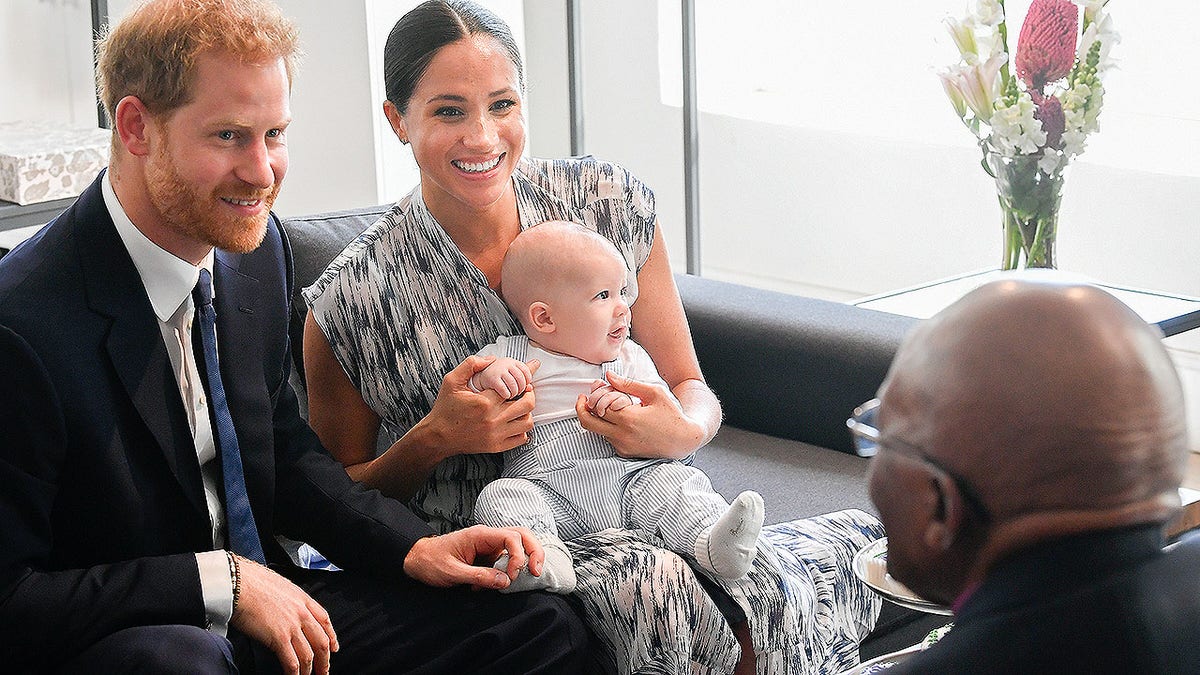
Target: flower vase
1029, 188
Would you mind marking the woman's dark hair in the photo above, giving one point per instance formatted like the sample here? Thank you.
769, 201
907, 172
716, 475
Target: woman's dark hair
419, 34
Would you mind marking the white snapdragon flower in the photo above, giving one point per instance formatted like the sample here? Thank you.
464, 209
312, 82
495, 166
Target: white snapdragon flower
1014, 128
1051, 162
988, 13
1074, 143
1075, 99
1101, 29
1081, 107
1091, 7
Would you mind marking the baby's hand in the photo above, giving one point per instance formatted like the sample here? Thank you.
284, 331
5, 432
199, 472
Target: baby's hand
507, 377
604, 398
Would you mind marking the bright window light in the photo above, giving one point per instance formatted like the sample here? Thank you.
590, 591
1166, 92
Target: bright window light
870, 69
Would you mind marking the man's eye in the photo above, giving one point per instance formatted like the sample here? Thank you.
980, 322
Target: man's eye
226, 135
274, 133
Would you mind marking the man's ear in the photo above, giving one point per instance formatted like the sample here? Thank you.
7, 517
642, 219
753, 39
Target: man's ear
947, 512
133, 125
540, 319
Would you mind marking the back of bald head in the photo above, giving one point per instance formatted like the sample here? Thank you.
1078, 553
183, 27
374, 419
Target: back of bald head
545, 256
1050, 398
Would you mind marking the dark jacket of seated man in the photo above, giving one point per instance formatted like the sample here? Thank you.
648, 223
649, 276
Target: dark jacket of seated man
1031, 442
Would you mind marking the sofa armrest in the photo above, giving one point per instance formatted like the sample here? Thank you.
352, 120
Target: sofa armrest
786, 365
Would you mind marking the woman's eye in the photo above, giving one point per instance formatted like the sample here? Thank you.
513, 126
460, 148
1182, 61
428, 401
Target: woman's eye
503, 105
447, 112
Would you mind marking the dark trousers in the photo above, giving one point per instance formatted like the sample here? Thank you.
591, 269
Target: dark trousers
382, 627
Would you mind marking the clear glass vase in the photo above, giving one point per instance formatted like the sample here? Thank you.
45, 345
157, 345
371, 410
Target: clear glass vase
1029, 188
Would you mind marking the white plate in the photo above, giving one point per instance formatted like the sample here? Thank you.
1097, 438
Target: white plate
870, 565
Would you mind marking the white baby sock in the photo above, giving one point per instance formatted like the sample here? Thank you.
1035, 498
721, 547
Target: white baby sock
558, 570
727, 549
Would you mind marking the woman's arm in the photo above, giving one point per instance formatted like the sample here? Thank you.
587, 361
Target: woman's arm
660, 427
461, 422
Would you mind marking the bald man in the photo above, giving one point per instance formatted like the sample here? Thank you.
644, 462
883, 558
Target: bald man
1031, 442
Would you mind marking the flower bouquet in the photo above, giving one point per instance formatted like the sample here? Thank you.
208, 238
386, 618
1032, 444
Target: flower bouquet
1030, 123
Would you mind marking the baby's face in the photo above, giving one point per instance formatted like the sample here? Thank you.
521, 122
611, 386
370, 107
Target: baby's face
591, 311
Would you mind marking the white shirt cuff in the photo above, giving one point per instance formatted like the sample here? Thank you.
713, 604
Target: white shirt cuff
216, 587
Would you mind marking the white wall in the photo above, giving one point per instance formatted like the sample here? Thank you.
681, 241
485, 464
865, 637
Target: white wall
46, 62
841, 215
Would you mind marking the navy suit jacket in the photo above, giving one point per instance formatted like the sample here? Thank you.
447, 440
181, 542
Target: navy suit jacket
101, 502
1104, 602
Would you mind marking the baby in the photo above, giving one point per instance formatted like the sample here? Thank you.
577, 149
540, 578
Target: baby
567, 286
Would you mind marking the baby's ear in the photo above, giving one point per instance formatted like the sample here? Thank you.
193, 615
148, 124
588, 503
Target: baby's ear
540, 319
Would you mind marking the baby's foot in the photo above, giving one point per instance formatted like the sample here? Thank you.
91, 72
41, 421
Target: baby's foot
558, 570
727, 549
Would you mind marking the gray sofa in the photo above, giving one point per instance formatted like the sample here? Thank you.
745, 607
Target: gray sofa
788, 370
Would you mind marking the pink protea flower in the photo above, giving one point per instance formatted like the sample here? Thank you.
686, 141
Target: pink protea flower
1046, 46
1050, 113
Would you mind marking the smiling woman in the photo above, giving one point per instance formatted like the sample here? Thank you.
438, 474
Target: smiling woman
397, 319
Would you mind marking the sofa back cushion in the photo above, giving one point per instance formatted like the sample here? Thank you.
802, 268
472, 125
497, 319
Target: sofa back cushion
316, 240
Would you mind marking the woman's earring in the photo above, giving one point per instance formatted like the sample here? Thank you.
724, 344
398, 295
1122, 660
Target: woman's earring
403, 141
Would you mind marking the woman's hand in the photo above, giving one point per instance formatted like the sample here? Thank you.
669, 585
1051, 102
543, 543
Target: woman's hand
656, 428
464, 421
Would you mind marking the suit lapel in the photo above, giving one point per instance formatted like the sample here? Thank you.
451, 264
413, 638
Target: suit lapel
135, 343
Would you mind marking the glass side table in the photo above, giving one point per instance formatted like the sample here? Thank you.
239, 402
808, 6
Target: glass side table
1174, 314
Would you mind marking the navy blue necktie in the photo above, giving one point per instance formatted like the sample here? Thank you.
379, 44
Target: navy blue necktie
243, 535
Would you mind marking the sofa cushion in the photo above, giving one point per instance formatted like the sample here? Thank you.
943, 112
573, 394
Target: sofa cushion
316, 240
796, 480
786, 365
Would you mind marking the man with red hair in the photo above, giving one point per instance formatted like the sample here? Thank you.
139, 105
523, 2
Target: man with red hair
152, 447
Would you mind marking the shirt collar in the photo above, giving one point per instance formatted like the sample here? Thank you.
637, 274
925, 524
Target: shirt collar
168, 279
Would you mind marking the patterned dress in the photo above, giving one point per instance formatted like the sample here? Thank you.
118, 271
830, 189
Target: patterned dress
402, 306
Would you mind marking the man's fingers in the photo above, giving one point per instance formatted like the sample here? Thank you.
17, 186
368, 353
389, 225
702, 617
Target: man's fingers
304, 653
325, 623
533, 550
314, 653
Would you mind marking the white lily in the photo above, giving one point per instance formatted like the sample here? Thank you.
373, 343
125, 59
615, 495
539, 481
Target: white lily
950, 85
963, 34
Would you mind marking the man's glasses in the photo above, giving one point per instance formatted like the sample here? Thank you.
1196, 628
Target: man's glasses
866, 444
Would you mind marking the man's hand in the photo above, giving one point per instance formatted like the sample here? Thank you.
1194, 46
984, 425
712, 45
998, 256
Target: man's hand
450, 559
278, 614
507, 377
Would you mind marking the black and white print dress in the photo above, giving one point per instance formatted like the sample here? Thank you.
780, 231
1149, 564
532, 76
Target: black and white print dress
402, 306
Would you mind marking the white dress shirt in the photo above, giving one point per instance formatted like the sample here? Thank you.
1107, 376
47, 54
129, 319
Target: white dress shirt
169, 282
